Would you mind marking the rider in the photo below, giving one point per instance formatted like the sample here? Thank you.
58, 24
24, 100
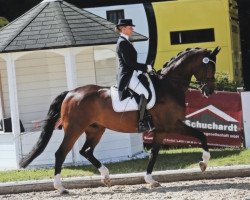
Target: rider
128, 71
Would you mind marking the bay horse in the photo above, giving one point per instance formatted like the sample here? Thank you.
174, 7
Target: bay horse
89, 109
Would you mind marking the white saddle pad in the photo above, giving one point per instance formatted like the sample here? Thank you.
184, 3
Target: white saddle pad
129, 104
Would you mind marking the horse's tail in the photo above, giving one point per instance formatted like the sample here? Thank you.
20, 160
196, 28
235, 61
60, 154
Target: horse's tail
47, 130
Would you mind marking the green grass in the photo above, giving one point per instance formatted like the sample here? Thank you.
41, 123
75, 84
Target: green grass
167, 160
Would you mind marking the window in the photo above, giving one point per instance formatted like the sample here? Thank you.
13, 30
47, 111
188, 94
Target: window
114, 15
192, 36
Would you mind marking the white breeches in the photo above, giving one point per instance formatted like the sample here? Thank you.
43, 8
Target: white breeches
137, 86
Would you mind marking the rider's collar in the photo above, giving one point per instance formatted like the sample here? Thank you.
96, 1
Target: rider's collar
125, 36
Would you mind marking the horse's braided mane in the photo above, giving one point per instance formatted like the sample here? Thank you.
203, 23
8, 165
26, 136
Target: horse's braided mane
178, 57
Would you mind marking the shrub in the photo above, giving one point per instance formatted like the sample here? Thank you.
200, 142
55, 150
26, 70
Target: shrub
223, 83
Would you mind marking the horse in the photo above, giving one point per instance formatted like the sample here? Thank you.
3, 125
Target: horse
89, 109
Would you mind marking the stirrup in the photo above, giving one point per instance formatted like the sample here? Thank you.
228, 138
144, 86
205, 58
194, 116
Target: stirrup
151, 127
148, 120
142, 127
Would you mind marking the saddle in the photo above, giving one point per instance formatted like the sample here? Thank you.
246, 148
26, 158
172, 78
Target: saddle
130, 104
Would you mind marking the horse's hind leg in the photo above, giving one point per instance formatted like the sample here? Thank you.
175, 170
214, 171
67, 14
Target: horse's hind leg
93, 135
183, 129
69, 140
152, 159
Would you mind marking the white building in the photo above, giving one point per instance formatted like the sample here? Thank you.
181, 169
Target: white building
52, 48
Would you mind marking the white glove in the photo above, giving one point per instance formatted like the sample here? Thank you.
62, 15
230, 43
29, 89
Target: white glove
150, 69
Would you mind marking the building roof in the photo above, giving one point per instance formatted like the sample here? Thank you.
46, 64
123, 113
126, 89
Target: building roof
98, 3
57, 24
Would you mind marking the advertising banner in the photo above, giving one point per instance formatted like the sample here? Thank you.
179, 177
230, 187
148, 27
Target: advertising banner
219, 116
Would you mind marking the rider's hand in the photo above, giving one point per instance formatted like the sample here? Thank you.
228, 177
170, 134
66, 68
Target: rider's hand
150, 68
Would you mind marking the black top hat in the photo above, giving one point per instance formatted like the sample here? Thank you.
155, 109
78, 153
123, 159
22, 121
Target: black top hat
125, 22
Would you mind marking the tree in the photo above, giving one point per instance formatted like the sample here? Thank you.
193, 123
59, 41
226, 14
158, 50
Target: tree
3, 21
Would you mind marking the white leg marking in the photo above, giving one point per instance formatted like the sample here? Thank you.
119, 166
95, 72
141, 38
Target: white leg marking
105, 175
203, 164
149, 179
206, 156
58, 184
104, 172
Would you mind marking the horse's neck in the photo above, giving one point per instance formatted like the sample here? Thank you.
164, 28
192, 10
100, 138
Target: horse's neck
182, 69
177, 78
175, 84
165, 89
180, 75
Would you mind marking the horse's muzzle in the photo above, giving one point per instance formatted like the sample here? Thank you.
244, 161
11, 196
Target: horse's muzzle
206, 90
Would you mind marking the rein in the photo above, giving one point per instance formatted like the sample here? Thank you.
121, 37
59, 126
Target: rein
198, 85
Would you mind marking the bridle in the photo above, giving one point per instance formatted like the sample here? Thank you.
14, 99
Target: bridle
204, 78
199, 83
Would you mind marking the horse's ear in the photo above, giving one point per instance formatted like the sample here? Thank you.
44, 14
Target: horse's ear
215, 51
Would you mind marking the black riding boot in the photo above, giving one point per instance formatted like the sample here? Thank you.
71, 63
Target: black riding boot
145, 119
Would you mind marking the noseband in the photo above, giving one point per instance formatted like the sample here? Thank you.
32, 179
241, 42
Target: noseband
204, 78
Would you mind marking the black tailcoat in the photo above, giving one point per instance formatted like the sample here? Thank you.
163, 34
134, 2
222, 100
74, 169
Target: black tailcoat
127, 58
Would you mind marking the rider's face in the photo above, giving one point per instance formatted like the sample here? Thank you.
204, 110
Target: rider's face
127, 30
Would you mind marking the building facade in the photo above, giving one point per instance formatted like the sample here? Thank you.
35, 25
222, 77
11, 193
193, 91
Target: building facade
173, 26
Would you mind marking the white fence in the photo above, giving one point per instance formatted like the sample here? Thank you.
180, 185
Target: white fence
245, 99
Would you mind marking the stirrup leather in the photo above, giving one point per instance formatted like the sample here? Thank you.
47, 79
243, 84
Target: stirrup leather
149, 121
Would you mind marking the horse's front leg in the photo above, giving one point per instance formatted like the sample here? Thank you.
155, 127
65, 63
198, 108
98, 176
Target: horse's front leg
152, 159
183, 129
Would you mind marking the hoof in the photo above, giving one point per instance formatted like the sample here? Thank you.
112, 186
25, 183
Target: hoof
152, 183
107, 182
64, 192
155, 184
203, 166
